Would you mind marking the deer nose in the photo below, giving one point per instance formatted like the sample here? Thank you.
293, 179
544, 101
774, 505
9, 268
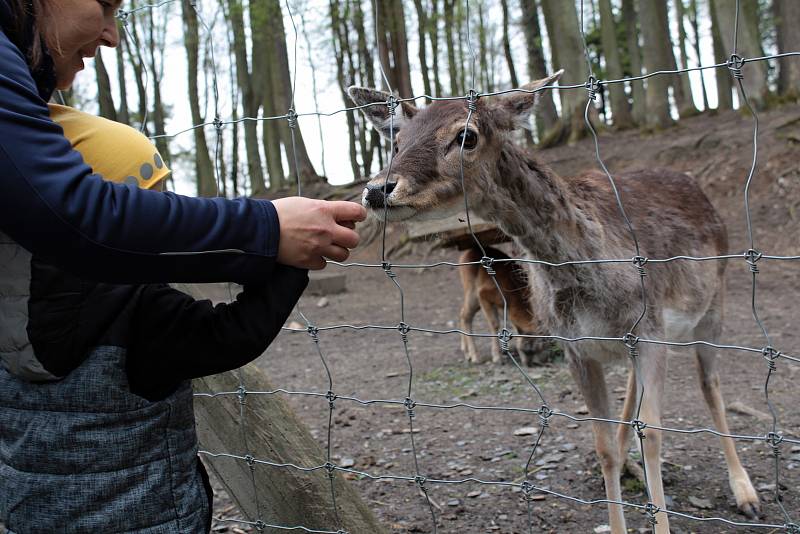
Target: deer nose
377, 193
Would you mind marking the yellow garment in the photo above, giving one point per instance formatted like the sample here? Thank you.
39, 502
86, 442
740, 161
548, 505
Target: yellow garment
113, 150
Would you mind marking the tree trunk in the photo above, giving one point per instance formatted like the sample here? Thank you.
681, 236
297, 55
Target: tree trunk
249, 103
104, 97
721, 55
638, 95
452, 69
566, 45
483, 52
546, 118
512, 72
261, 83
422, 23
657, 53
619, 100
683, 84
787, 22
123, 115
340, 35
693, 20
748, 46
464, 64
156, 42
206, 180
366, 79
433, 35
140, 73
393, 46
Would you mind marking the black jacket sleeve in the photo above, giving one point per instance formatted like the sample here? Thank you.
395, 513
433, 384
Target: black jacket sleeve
53, 205
174, 337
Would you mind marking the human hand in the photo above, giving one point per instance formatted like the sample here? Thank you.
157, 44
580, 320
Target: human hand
312, 230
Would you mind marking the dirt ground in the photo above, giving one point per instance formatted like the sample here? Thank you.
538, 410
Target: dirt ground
459, 443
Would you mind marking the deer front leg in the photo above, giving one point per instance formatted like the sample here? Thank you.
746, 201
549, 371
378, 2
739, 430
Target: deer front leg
468, 310
591, 380
652, 370
490, 311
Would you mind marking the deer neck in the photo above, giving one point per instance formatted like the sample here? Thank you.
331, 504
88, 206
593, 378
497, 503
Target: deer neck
532, 204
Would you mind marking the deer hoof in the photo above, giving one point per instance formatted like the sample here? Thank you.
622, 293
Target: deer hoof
751, 510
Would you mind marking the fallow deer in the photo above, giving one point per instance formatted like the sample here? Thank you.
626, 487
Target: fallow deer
481, 293
556, 218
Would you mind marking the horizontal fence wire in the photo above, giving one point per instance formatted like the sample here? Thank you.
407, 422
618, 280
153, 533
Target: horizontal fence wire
771, 436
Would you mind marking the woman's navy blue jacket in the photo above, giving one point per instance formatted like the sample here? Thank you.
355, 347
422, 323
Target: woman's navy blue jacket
52, 205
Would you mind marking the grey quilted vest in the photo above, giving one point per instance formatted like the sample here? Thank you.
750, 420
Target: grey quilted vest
83, 454
16, 351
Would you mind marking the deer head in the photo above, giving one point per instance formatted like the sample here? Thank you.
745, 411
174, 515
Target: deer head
430, 144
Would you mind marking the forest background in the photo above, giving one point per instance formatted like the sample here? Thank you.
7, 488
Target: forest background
182, 64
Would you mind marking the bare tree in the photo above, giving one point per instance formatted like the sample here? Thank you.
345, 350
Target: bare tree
682, 84
452, 67
104, 97
393, 46
657, 53
619, 101
206, 181
512, 72
630, 20
748, 44
546, 116
250, 104
787, 22
695, 24
566, 45
422, 23
723, 78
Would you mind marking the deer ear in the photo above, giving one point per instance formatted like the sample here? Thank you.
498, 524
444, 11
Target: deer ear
373, 104
520, 105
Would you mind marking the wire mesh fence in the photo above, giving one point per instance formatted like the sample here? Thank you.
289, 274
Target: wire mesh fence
544, 409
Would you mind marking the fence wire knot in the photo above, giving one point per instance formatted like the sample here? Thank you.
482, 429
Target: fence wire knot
527, 489
410, 404
420, 481
504, 336
472, 99
770, 354
545, 413
123, 15
632, 342
392, 104
639, 262
774, 440
792, 528
593, 86
735, 64
251, 461
331, 396
241, 392
330, 468
260, 525
651, 510
313, 331
387, 268
639, 427
291, 116
217, 122
751, 257
486, 263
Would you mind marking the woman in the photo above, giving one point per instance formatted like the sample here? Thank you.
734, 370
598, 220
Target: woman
51, 206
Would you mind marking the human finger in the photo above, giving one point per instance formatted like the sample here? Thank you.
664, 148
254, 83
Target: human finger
344, 237
336, 253
344, 210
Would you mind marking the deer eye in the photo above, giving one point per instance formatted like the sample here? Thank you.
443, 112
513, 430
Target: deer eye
468, 139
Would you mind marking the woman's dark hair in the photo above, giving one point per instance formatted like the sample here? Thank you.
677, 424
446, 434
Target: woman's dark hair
25, 30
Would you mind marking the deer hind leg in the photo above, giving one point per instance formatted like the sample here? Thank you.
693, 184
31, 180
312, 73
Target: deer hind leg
652, 363
469, 308
591, 380
624, 431
746, 497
